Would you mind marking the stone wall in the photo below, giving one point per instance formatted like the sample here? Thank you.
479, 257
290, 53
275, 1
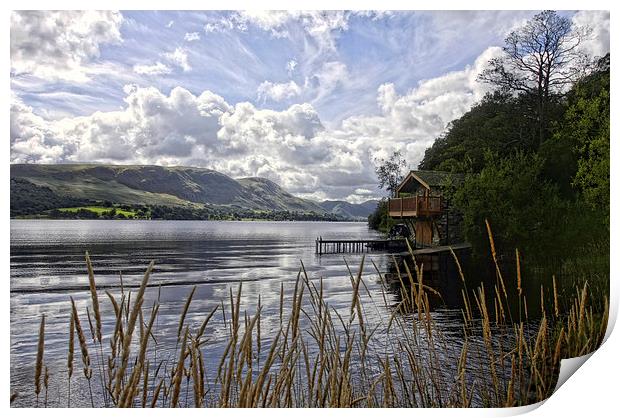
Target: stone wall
449, 225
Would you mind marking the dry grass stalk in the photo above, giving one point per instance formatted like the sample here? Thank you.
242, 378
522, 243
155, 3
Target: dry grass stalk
94, 297
178, 374
184, 313
555, 298
145, 384
131, 323
156, 392
82, 341
518, 260
71, 346
90, 325
319, 359
131, 388
46, 380
39, 362
70, 357
83, 348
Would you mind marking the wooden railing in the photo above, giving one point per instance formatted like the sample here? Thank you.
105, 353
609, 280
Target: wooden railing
414, 206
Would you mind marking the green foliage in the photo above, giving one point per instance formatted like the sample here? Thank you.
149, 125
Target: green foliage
105, 209
181, 213
28, 198
586, 124
500, 123
510, 193
379, 220
546, 195
390, 172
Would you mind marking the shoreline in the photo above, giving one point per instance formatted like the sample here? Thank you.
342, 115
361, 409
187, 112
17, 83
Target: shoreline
38, 218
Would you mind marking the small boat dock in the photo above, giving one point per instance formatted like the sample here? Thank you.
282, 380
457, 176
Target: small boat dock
396, 246
338, 246
441, 249
437, 262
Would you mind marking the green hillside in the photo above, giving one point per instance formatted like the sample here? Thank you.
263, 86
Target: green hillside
148, 185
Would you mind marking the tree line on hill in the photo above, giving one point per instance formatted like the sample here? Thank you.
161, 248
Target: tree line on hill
535, 151
29, 200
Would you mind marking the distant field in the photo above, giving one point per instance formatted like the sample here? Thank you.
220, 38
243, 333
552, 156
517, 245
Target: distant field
99, 210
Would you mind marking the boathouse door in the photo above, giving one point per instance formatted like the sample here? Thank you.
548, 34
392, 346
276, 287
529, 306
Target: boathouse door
423, 232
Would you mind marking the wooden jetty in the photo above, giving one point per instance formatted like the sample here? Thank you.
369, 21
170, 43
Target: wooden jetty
440, 249
436, 262
337, 246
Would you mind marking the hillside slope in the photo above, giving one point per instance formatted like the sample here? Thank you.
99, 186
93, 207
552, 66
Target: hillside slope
269, 194
350, 210
172, 186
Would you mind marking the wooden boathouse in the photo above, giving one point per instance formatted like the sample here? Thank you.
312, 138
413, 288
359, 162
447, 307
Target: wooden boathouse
421, 202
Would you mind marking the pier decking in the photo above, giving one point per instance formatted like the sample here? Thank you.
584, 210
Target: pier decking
440, 249
337, 246
398, 246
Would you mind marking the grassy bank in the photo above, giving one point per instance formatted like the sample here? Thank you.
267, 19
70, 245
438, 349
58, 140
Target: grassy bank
101, 211
316, 356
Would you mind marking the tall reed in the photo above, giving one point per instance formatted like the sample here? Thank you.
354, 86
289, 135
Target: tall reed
39, 363
379, 350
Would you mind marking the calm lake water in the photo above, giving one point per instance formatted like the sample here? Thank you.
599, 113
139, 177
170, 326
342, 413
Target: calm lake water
47, 267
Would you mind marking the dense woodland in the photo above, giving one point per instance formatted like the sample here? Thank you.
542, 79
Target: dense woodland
28, 198
536, 164
550, 198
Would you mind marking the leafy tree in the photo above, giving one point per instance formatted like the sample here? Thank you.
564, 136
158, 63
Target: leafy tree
522, 207
380, 220
586, 125
390, 171
541, 59
500, 123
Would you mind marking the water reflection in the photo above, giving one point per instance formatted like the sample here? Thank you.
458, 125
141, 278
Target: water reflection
47, 267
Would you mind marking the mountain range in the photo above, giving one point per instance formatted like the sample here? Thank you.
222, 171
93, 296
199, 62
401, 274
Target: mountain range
167, 186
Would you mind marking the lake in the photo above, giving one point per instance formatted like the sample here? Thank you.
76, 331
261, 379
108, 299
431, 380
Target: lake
48, 267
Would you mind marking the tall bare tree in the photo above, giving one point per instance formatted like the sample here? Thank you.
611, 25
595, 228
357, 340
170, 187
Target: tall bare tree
542, 59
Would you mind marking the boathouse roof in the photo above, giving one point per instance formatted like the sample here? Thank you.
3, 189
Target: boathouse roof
430, 179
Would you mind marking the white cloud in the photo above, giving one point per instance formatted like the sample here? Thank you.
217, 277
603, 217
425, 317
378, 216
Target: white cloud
223, 24
291, 65
320, 25
156, 69
278, 91
179, 57
169, 24
32, 139
598, 21
291, 146
153, 127
192, 36
331, 75
60, 45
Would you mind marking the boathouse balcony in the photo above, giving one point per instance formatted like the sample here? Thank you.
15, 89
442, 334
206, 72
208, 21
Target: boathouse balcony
414, 206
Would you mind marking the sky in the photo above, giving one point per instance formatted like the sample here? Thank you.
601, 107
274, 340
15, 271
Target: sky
309, 100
